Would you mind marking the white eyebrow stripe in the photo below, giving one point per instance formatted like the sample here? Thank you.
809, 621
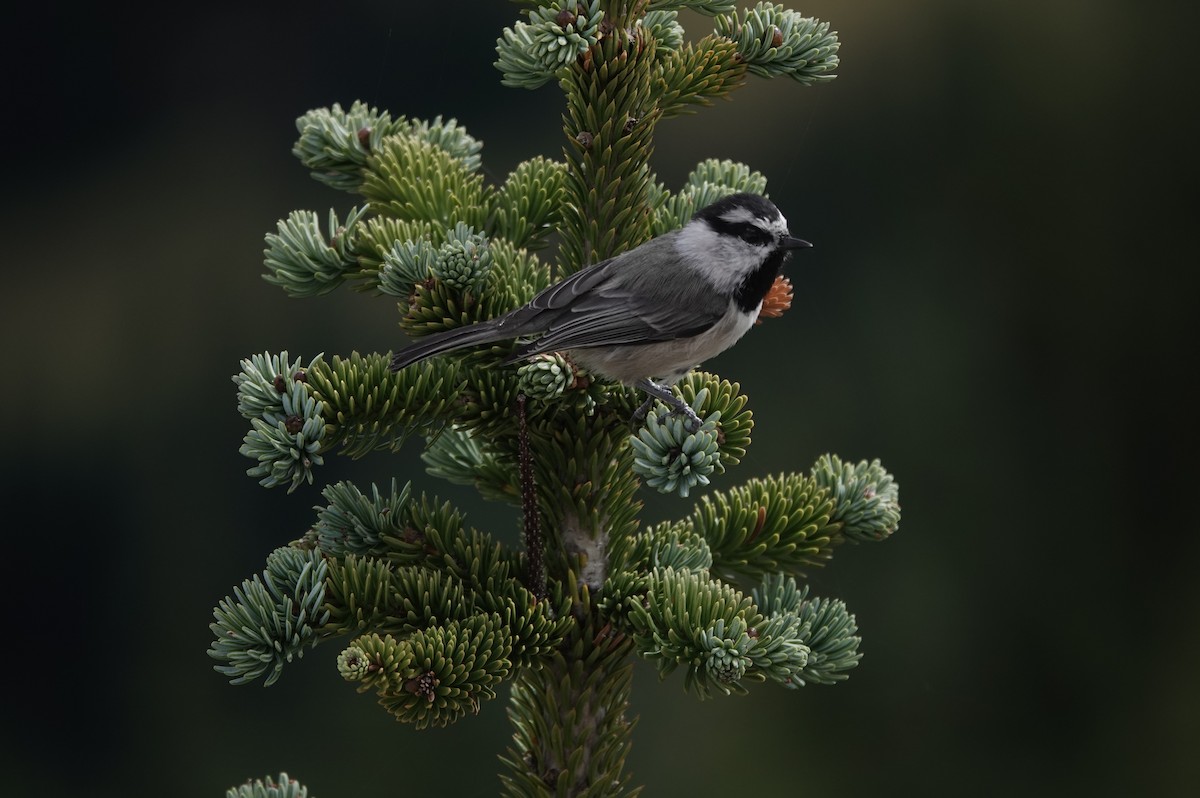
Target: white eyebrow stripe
739, 215
778, 226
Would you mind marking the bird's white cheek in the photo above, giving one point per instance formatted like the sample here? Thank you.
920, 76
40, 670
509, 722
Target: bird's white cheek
721, 261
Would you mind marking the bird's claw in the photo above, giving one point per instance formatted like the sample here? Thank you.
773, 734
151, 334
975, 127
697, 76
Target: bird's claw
639, 415
692, 422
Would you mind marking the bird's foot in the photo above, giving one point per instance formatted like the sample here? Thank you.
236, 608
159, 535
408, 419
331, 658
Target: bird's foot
678, 407
693, 422
639, 415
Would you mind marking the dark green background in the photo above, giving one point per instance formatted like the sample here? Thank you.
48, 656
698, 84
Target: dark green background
999, 305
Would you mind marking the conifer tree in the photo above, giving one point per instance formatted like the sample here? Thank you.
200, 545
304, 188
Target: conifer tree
432, 614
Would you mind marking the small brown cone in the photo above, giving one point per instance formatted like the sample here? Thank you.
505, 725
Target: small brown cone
777, 300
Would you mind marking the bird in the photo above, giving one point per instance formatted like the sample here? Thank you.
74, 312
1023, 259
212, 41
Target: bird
648, 316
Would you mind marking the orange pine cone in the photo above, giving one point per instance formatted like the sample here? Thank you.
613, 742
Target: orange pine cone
777, 300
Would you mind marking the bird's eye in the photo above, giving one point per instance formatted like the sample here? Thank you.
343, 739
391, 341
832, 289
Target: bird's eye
743, 224
753, 234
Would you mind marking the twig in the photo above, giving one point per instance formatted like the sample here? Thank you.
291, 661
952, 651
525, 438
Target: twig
535, 575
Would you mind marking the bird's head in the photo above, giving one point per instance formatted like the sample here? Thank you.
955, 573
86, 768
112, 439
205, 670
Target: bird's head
739, 241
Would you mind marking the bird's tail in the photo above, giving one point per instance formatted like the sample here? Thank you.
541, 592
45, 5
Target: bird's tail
449, 340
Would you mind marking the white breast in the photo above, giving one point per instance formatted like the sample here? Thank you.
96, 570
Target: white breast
666, 360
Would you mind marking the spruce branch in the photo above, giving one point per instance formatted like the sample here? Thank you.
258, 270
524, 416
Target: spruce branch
721, 400
457, 456
707, 7
367, 406
436, 536
531, 53
413, 179
612, 109
269, 788
597, 505
360, 595
663, 26
375, 246
460, 260
434, 578
535, 566
672, 459
664, 545
428, 596
427, 523
405, 259
556, 384
464, 261
695, 74
287, 422
449, 136
516, 277
571, 733
528, 205
538, 626
778, 524
435, 570
519, 58
546, 376
564, 30
272, 618
353, 523
287, 442
372, 658
336, 144
829, 631
685, 618
775, 41
825, 627
868, 498
406, 265
485, 405
435, 306
791, 522
728, 174
264, 380
305, 263
438, 675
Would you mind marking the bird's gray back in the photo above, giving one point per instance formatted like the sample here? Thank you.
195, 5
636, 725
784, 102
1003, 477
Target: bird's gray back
622, 301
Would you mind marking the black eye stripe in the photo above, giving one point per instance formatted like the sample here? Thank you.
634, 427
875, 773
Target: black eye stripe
745, 231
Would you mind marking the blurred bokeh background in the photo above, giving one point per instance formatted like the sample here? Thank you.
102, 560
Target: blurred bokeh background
999, 305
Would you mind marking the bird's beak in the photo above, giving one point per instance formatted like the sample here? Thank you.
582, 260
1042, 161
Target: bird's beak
795, 243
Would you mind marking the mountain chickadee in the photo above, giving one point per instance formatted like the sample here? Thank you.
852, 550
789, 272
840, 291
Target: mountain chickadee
655, 311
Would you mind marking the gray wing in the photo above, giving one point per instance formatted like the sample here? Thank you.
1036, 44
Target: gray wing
616, 302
